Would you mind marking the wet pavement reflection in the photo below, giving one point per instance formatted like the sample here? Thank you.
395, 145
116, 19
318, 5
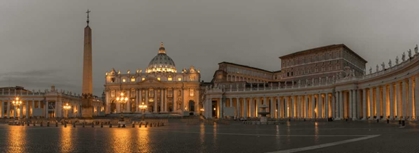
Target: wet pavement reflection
180, 137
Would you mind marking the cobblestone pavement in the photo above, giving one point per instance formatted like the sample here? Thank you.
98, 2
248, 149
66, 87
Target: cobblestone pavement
194, 136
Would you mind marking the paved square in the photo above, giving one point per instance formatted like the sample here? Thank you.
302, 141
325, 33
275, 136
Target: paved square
181, 136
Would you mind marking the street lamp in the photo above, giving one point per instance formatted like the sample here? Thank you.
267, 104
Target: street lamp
67, 107
142, 107
122, 99
16, 102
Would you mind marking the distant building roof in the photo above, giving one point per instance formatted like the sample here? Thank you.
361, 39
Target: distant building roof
248, 66
323, 48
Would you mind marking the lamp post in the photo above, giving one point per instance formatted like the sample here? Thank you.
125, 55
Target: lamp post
122, 99
67, 108
142, 107
16, 102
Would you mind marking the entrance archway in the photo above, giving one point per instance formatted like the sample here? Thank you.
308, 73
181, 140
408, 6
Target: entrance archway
191, 106
113, 107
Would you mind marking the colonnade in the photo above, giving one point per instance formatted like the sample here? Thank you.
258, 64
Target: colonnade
28, 107
392, 100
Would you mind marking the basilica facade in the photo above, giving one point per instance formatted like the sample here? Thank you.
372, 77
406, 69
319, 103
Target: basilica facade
160, 88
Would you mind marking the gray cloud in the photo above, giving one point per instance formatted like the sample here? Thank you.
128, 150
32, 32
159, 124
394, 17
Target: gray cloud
48, 35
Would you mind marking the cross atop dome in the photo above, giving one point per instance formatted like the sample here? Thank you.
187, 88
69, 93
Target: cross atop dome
161, 49
87, 12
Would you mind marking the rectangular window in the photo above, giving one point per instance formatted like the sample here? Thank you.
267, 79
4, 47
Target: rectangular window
179, 79
170, 79
133, 79
191, 92
123, 80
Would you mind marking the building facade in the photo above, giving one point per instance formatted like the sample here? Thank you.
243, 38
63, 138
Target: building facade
160, 87
43, 104
345, 92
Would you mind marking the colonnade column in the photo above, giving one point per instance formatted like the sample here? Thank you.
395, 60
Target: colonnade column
336, 99
410, 99
312, 106
293, 106
33, 107
273, 106
306, 106
341, 102
279, 108
299, 106
319, 108
404, 100
1, 108
384, 103
238, 108
27, 109
378, 103
244, 110
8, 109
353, 101
371, 103
397, 100
252, 107
416, 96
327, 113
391, 101
286, 106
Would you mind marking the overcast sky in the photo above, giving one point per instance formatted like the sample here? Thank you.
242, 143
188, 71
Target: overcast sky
41, 42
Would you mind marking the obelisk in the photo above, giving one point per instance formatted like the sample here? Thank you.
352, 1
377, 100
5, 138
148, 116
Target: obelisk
87, 109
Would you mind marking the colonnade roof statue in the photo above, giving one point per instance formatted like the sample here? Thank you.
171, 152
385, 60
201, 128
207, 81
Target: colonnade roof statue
161, 62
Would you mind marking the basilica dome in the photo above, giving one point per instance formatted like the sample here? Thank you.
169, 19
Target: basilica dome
161, 62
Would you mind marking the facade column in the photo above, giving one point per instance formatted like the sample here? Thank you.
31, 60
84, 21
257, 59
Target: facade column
341, 102
26, 108
287, 109
33, 107
312, 109
354, 101
46, 109
137, 101
146, 101
1, 108
161, 100
299, 106
306, 106
336, 99
279, 111
238, 107
252, 105
319, 107
220, 99
391, 101
349, 99
371, 103
327, 104
155, 101
182, 100
8, 108
273, 106
244, 110
174, 102
292, 107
